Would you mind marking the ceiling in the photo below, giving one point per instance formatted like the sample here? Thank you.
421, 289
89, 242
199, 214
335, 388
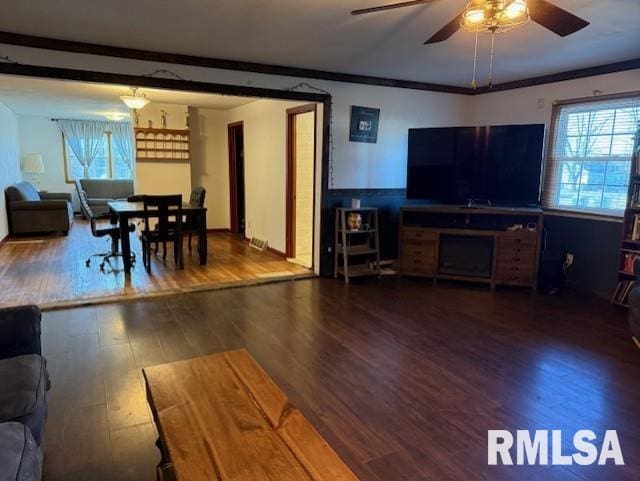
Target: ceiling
322, 35
78, 100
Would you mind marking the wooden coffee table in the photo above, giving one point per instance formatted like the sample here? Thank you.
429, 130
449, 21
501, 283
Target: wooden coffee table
222, 418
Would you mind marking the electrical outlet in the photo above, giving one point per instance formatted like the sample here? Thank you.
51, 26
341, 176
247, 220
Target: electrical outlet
568, 261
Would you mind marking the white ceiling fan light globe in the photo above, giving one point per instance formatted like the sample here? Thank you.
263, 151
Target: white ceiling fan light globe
474, 16
516, 9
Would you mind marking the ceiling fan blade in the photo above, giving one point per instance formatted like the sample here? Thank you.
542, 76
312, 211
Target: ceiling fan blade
447, 31
554, 18
390, 6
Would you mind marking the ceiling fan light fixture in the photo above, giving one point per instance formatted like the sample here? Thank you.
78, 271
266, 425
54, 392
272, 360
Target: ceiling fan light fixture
134, 99
474, 16
494, 16
516, 9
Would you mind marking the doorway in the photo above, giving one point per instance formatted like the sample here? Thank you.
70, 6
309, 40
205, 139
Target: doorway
301, 161
236, 177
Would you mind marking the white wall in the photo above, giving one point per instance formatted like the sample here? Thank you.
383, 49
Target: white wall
384, 164
265, 153
164, 177
356, 165
9, 160
534, 104
210, 162
41, 135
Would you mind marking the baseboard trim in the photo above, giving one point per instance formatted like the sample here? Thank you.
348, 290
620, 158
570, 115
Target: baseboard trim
277, 252
219, 230
3, 240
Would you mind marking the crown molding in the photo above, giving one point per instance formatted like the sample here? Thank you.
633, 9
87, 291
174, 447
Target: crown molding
46, 43
563, 76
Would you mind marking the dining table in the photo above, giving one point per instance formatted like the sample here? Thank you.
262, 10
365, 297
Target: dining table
122, 211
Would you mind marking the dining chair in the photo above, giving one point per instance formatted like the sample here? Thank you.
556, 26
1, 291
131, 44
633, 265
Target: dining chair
190, 227
167, 211
113, 231
190, 221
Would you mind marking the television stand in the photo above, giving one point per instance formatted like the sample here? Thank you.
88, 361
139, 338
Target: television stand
477, 244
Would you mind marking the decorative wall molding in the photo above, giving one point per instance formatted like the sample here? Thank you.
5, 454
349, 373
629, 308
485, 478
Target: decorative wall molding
33, 41
46, 43
563, 76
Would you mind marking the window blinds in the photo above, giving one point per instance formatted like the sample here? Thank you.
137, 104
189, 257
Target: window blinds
587, 168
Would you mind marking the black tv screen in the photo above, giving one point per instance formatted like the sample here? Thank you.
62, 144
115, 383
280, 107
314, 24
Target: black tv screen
501, 164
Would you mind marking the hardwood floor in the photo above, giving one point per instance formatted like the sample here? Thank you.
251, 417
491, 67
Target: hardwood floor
49, 271
403, 379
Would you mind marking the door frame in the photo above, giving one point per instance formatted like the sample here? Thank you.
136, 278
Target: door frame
233, 175
290, 234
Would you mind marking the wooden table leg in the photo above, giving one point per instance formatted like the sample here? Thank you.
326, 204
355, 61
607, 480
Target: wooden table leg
125, 242
202, 237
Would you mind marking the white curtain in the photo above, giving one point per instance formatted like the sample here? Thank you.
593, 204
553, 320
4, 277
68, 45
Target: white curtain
84, 138
121, 135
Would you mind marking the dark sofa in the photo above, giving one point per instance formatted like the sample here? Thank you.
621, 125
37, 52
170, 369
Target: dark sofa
33, 212
24, 382
101, 191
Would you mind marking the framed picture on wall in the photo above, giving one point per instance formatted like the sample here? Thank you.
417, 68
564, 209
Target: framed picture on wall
364, 124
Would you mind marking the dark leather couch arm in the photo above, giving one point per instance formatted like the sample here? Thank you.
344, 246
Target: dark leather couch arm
55, 196
39, 205
20, 331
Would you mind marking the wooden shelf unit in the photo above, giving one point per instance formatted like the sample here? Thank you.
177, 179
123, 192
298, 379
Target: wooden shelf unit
162, 145
630, 246
514, 255
363, 244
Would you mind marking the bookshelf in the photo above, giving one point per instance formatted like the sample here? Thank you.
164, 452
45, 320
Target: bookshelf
158, 145
630, 246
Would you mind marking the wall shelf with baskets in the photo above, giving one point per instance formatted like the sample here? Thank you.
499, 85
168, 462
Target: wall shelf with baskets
162, 145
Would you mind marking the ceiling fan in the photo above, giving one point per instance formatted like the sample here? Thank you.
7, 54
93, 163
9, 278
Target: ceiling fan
493, 17
545, 13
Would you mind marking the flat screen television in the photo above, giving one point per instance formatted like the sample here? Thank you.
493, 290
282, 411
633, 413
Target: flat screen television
501, 164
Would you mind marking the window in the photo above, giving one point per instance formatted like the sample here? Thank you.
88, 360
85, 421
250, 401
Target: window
589, 158
108, 164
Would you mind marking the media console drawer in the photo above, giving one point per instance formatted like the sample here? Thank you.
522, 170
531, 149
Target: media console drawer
514, 275
518, 238
419, 250
418, 235
418, 266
